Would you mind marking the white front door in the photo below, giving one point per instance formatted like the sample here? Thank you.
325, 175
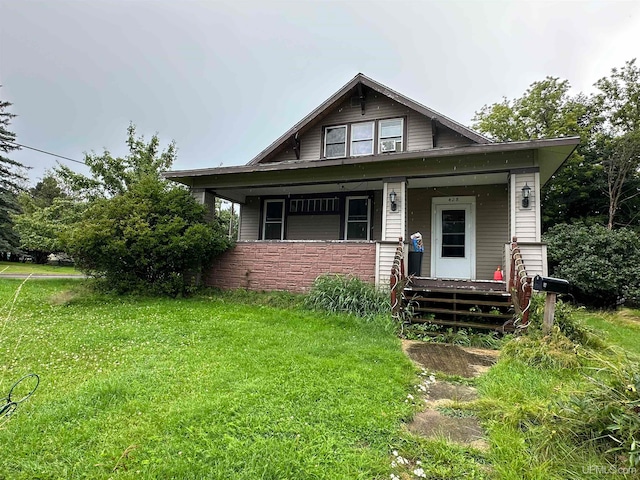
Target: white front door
453, 238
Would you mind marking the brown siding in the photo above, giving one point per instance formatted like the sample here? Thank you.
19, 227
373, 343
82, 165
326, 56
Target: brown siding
418, 127
448, 138
291, 266
250, 219
313, 227
492, 223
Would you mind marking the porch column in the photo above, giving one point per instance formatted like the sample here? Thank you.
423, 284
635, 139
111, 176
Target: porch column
208, 199
394, 226
526, 220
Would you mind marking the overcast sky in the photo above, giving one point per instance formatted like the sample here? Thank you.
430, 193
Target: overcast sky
225, 79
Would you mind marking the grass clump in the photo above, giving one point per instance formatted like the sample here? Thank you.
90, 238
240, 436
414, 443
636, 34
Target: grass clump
348, 294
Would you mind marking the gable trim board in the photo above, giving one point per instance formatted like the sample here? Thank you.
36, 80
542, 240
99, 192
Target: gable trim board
350, 88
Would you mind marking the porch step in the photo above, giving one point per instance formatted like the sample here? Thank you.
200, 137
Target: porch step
505, 327
460, 303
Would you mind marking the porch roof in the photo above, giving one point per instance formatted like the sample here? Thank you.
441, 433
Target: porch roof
485, 162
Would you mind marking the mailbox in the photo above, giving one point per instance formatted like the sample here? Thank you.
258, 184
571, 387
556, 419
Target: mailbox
549, 284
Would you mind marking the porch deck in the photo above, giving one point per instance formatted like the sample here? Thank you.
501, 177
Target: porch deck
480, 304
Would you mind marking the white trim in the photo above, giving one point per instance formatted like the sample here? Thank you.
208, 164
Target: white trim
373, 139
264, 218
385, 210
346, 139
454, 200
377, 264
403, 209
538, 206
513, 208
346, 216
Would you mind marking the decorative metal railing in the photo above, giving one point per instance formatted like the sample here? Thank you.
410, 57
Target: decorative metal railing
519, 286
397, 280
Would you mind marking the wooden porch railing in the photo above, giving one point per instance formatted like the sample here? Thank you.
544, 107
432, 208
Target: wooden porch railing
397, 280
519, 285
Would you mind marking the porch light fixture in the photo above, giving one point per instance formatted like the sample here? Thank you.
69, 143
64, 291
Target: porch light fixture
392, 198
526, 192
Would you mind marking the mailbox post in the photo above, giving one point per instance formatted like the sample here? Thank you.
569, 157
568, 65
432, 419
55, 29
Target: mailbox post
552, 286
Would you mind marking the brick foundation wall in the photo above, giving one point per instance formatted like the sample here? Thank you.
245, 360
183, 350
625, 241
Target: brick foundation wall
290, 265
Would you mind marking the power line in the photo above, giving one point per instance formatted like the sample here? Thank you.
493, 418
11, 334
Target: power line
45, 152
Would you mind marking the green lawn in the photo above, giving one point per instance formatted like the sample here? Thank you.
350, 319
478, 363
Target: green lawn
622, 328
27, 268
199, 388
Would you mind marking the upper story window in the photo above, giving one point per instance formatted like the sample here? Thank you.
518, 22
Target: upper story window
362, 138
391, 133
335, 142
357, 139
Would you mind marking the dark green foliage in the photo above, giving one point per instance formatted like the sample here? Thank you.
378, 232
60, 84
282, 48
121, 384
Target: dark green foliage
9, 182
150, 238
341, 293
603, 266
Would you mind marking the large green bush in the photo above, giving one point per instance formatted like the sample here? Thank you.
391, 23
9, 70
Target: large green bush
151, 238
603, 266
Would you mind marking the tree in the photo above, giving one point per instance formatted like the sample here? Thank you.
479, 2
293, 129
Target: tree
546, 109
115, 175
140, 232
41, 228
10, 181
617, 105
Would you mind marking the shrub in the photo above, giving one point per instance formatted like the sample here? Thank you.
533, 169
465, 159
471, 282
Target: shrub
603, 266
151, 239
343, 293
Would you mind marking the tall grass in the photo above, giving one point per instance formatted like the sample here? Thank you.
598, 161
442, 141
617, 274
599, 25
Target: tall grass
343, 293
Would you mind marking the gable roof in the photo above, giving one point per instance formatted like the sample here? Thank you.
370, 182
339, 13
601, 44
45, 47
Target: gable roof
345, 91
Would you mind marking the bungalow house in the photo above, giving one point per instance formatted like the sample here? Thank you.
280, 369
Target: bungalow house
368, 166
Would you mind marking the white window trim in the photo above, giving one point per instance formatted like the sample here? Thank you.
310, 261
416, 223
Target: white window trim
264, 219
373, 139
346, 142
346, 216
381, 138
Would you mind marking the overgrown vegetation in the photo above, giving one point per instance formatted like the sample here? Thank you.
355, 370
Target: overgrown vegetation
580, 411
349, 294
138, 232
602, 266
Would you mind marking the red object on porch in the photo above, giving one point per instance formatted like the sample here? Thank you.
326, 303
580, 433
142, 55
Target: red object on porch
497, 275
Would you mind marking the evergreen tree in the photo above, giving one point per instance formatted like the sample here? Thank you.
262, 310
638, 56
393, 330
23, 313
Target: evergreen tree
10, 179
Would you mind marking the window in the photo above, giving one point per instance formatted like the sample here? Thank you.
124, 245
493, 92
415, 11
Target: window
357, 218
453, 233
362, 139
273, 226
390, 136
358, 139
311, 206
335, 142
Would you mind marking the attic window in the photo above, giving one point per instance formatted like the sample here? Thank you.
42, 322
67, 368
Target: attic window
362, 139
335, 142
391, 135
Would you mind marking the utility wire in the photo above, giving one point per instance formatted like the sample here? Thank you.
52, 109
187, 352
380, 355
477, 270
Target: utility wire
45, 152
